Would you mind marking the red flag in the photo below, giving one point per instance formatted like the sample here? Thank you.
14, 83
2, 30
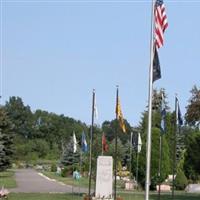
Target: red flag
104, 143
161, 23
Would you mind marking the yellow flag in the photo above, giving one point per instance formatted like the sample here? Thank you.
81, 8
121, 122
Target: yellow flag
120, 115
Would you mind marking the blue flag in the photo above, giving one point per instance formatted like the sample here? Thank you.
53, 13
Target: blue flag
163, 115
84, 146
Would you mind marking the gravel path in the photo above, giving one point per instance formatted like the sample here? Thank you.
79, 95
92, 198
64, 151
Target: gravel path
30, 181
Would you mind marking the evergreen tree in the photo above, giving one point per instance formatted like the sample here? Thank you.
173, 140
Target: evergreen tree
156, 132
2, 153
6, 141
69, 157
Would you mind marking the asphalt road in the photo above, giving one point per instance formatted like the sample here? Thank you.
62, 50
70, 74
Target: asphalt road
30, 181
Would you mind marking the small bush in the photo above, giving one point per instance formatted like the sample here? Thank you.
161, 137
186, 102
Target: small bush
67, 171
181, 180
154, 182
53, 167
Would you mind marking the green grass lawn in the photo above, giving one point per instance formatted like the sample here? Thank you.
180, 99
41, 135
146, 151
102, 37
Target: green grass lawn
179, 196
7, 179
37, 196
83, 182
23, 196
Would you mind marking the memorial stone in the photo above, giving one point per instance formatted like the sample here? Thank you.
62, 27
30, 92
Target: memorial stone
104, 179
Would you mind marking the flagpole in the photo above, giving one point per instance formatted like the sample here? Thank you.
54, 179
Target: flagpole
174, 150
137, 169
131, 139
148, 150
91, 144
102, 144
74, 143
160, 165
161, 143
80, 169
116, 135
130, 157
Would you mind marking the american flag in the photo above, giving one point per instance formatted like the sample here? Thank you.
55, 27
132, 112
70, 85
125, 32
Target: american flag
160, 23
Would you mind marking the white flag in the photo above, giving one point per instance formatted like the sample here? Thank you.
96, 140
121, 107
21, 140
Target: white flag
74, 143
139, 145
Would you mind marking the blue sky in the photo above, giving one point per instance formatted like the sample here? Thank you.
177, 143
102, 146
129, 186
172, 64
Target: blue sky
55, 52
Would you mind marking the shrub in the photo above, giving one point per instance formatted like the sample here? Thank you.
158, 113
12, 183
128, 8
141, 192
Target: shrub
154, 182
66, 171
181, 180
53, 167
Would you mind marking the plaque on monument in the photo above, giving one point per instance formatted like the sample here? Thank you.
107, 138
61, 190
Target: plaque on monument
104, 178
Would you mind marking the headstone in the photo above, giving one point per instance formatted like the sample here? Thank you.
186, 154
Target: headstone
129, 185
58, 171
104, 179
193, 188
163, 188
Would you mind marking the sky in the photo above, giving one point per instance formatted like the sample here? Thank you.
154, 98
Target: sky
54, 53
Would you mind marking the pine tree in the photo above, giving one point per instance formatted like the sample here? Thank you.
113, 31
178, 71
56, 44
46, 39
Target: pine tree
6, 141
2, 153
156, 132
69, 158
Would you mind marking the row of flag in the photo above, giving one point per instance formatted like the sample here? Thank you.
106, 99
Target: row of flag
179, 122
179, 119
105, 147
84, 145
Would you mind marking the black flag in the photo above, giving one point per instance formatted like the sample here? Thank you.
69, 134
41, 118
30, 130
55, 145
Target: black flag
156, 66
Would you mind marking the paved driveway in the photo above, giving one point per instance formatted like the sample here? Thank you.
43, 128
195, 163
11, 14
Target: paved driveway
29, 181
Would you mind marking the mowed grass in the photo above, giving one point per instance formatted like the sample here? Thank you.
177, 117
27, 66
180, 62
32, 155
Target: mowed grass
83, 182
7, 179
36, 196
179, 196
